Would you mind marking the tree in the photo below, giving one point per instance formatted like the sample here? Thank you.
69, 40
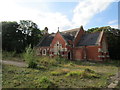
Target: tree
16, 37
12, 37
31, 32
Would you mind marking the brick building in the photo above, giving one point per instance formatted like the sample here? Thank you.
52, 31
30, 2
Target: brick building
75, 44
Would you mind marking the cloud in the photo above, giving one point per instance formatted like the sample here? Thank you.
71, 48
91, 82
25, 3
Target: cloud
82, 13
14, 12
53, 21
114, 26
113, 22
86, 9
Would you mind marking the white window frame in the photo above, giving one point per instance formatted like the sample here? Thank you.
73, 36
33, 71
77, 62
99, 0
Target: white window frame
44, 50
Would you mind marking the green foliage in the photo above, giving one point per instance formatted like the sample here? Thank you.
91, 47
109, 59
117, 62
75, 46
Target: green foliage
46, 61
31, 32
16, 37
87, 73
89, 70
30, 58
61, 60
60, 72
8, 54
12, 55
74, 73
11, 37
46, 83
83, 76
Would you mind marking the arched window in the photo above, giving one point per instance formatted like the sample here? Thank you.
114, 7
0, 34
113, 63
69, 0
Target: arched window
44, 52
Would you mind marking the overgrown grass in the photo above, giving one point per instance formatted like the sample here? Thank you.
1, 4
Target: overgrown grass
61, 73
12, 56
87, 73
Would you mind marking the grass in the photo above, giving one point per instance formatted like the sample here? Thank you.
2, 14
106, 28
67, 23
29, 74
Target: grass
12, 56
59, 73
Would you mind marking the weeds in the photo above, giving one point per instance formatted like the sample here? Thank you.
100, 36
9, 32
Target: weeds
60, 72
30, 58
87, 73
46, 83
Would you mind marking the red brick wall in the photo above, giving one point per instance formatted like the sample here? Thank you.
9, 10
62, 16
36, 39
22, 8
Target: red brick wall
92, 52
78, 54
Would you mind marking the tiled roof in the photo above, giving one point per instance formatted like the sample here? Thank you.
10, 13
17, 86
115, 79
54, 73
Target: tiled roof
89, 39
86, 40
72, 31
47, 40
69, 34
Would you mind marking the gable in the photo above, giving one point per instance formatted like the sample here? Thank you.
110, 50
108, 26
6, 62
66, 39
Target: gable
58, 38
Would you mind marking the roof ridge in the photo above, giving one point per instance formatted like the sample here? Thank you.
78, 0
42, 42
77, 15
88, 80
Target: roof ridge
70, 30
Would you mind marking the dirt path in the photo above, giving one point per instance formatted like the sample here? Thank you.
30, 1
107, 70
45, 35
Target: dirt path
16, 63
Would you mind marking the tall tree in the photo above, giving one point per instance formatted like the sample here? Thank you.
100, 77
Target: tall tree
16, 37
12, 38
31, 32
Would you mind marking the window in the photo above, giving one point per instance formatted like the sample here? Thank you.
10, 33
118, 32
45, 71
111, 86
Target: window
44, 52
57, 48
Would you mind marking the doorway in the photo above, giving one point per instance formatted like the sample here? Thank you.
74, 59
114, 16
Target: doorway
69, 55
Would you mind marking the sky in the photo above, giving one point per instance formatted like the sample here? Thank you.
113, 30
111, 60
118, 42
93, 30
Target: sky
65, 14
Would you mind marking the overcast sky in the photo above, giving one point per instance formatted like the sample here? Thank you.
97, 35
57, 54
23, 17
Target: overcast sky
65, 14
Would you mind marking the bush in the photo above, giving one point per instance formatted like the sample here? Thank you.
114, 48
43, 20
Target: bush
61, 60
30, 58
46, 61
46, 83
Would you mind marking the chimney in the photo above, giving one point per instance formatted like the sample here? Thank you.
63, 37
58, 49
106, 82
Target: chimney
45, 31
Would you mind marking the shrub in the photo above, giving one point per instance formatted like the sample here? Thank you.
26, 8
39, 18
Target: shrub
61, 60
44, 80
30, 58
46, 83
46, 61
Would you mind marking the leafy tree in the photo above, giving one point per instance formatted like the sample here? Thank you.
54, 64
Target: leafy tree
12, 37
31, 32
16, 37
